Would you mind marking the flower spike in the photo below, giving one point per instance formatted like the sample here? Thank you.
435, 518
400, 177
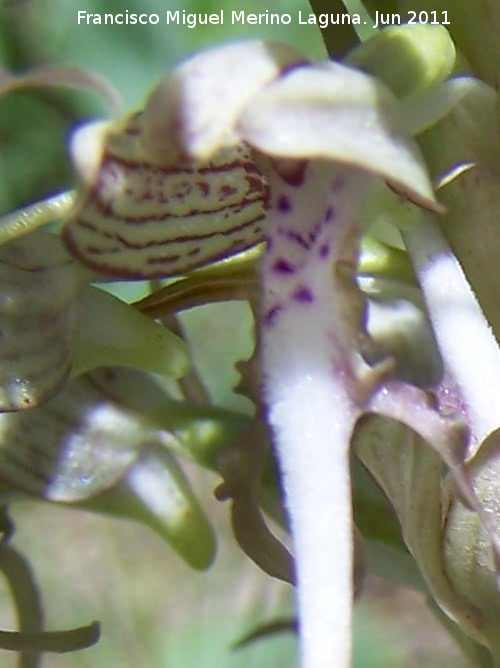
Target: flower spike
316, 135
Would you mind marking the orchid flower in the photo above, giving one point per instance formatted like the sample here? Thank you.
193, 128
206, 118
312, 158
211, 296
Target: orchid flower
252, 143
467, 245
432, 514
299, 144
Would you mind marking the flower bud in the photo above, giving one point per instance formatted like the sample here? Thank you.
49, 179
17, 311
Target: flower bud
470, 563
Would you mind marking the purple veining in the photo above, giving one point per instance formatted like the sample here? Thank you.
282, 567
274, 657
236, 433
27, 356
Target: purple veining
294, 236
271, 314
314, 233
329, 214
299, 239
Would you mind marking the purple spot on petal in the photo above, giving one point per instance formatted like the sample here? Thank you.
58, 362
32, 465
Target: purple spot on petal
329, 214
324, 251
282, 266
284, 204
313, 235
271, 314
303, 295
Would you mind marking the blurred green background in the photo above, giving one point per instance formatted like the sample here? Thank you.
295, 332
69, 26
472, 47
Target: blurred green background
155, 611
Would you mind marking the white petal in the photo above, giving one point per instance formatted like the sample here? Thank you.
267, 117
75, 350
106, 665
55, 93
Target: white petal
331, 112
193, 111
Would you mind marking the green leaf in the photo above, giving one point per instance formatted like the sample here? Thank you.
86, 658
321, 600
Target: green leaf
410, 473
112, 333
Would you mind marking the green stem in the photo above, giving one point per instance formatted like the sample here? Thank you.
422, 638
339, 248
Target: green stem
58, 642
26, 220
26, 596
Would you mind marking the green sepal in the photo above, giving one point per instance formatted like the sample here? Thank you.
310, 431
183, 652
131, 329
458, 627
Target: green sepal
113, 333
156, 492
380, 259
